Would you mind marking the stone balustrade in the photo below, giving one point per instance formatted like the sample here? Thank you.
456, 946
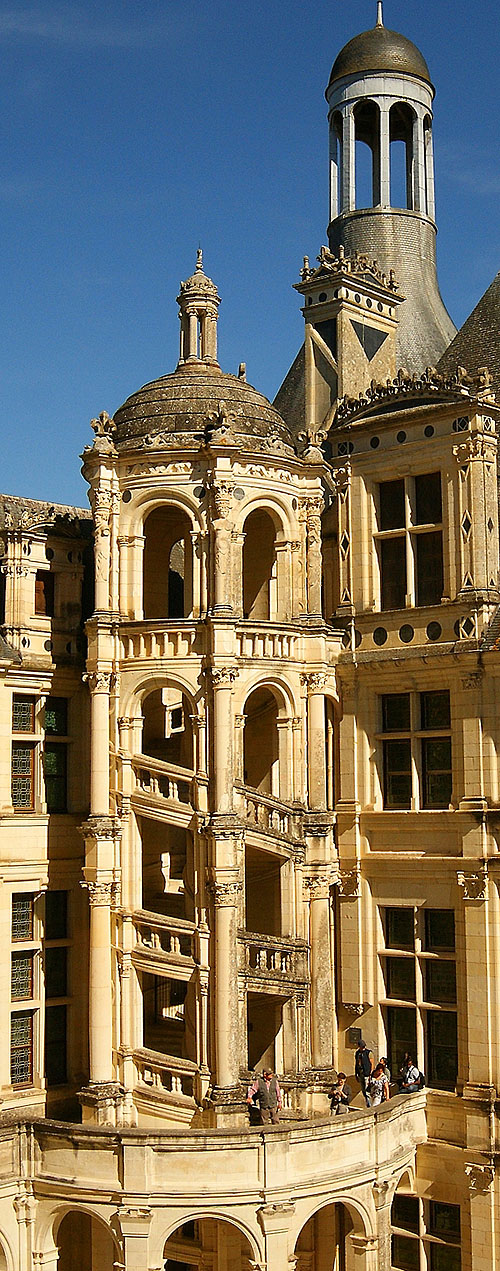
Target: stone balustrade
162, 781
159, 639
266, 641
165, 1074
157, 934
273, 956
269, 815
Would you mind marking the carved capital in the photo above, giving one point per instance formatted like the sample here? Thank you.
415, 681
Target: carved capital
223, 675
479, 1177
222, 493
101, 827
349, 884
315, 681
100, 681
318, 885
225, 893
477, 447
472, 681
100, 893
474, 886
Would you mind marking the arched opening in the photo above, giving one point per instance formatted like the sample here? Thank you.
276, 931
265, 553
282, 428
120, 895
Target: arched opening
85, 1242
167, 869
325, 1241
169, 1015
336, 160
401, 126
259, 567
208, 1242
167, 732
367, 160
261, 744
168, 564
4, 1266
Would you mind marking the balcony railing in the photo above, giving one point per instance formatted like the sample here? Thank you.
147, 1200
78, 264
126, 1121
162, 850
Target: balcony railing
163, 780
275, 957
157, 639
165, 1074
268, 814
161, 935
262, 642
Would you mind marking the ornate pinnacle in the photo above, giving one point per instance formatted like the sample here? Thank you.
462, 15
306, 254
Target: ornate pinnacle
380, 15
199, 260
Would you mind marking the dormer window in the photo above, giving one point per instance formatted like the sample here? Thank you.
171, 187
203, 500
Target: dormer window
410, 541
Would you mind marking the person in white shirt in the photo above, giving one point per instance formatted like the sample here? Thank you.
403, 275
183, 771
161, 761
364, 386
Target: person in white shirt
409, 1076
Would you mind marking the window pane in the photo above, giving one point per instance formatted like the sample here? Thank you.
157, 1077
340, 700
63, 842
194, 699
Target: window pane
56, 980
392, 505
444, 1220
435, 710
400, 979
436, 772
404, 1212
397, 774
23, 714
22, 976
399, 928
22, 776
401, 1036
444, 1258
442, 1048
21, 1049
439, 930
56, 716
54, 763
427, 510
393, 573
22, 917
440, 982
429, 568
55, 1045
56, 915
405, 1253
396, 712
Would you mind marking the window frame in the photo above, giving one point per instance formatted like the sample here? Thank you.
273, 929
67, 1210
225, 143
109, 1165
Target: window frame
415, 739
426, 1010
408, 532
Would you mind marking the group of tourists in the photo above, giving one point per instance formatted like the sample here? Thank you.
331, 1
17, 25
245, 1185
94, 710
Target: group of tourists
264, 1094
374, 1080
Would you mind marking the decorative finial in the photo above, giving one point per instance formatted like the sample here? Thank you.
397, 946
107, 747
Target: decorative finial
380, 15
199, 260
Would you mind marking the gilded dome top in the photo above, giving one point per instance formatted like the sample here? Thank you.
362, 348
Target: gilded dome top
380, 50
195, 400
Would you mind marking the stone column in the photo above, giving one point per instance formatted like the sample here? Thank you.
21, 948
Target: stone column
225, 887
318, 886
100, 684
316, 765
25, 1210
385, 159
334, 172
365, 1250
100, 987
383, 1195
100, 498
418, 191
314, 558
285, 751
222, 594
223, 678
473, 884
276, 1221
134, 1223
348, 162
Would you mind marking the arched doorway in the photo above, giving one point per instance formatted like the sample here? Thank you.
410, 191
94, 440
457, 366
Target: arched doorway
167, 732
207, 1242
324, 1241
168, 564
260, 601
261, 768
85, 1243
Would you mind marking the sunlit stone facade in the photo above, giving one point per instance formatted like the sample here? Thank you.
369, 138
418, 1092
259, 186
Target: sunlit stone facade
249, 789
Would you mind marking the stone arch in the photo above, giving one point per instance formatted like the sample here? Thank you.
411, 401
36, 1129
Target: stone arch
279, 509
167, 563
367, 137
133, 701
255, 1251
361, 1214
6, 1257
283, 692
86, 1231
402, 119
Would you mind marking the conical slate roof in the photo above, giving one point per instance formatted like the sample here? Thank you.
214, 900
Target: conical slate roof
477, 343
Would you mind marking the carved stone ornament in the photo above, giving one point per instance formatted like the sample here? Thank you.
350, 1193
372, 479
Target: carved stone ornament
101, 827
311, 440
480, 1177
223, 498
223, 675
315, 681
100, 681
318, 885
431, 383
101, 501
478, 447
221, 424
474, 886
100, 893
104, 425
349, 884
472, 681
224, 894
354, 1008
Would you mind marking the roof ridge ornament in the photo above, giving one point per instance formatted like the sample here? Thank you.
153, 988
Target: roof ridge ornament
380, 14
199, 260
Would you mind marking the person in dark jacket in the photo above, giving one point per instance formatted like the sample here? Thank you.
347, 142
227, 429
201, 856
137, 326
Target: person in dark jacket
266, 1092
340, 1096
363, 1067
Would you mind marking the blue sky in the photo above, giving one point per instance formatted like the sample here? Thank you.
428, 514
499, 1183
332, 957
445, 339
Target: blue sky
130, 134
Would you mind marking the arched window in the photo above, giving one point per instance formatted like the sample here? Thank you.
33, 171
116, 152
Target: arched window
85, 1241
168, 584
259, 567
367, 161
260, 743
401, 130
167, 733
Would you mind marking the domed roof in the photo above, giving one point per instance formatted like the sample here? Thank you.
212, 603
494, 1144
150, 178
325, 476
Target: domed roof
182, 405
380, 50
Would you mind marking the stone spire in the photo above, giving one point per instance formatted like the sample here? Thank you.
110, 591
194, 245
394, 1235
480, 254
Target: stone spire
198, 302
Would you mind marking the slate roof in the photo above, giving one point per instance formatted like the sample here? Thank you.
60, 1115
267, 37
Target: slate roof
477, 343
380, 49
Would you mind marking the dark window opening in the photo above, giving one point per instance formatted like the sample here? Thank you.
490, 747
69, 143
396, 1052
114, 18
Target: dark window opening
393, 571
56, 1045
55, 770
439, 930
428, 505
396, 712
429, 568
399, 928
56, 972
44, 593
442, 1054
397, 773
400, 979
56, 716
392, 505
436, 772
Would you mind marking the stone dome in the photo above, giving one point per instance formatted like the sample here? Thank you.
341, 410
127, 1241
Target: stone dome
380, 50
181, 405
